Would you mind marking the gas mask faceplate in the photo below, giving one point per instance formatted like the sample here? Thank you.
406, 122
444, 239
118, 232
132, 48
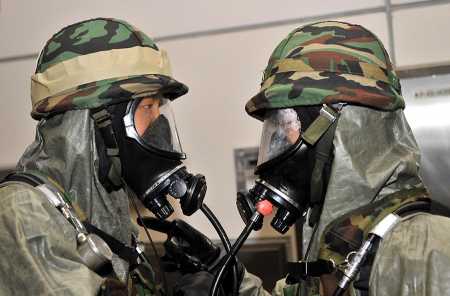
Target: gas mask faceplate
151, 156
288, 165
281, 130
151, 122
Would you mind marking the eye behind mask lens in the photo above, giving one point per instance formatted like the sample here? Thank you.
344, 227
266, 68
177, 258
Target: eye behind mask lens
151, 123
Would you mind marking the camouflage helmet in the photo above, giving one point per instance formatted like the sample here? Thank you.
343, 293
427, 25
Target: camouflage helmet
99, 62
328, 62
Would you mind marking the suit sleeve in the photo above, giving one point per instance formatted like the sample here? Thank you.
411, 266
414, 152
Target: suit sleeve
39, 248
414, 259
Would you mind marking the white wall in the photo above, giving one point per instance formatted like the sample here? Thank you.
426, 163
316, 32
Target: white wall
222, 71
26, 25
17, 127
422, 35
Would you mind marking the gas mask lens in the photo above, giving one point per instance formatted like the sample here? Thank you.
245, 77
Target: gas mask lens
151, 122
281, 130
280, 134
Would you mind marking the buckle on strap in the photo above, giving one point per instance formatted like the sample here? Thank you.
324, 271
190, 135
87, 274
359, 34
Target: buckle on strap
302, 270
101, 117
320, 125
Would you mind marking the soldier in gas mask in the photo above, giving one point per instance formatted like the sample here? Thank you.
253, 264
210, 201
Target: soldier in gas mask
337, 151
102, 93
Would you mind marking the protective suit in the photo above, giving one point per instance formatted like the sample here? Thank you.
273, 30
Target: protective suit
40, 244
370, 171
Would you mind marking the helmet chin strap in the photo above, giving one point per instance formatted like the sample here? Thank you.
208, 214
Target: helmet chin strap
111, 176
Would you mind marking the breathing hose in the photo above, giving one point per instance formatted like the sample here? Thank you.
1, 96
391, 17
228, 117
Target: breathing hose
263, 208
225, 241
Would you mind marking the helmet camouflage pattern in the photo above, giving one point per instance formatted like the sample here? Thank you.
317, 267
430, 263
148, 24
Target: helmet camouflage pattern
99, 62
328, 62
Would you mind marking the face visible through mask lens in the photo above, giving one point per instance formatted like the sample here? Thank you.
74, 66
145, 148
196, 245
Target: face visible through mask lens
151, 122
152, 126
281, 130
146, 113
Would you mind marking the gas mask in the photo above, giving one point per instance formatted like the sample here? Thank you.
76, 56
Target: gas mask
294, 161
151, 156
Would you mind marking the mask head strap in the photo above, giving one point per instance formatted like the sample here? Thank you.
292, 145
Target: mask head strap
103, 122
320, 135
320, 125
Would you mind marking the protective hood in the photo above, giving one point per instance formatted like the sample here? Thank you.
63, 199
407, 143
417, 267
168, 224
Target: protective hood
64, 149
375, 155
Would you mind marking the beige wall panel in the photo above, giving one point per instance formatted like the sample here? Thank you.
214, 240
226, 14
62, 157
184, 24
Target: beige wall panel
422, 35
26, 25
16, 125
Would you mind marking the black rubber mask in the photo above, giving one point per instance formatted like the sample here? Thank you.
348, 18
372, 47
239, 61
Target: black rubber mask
159, 134
152, 164
286, 168
287, 184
